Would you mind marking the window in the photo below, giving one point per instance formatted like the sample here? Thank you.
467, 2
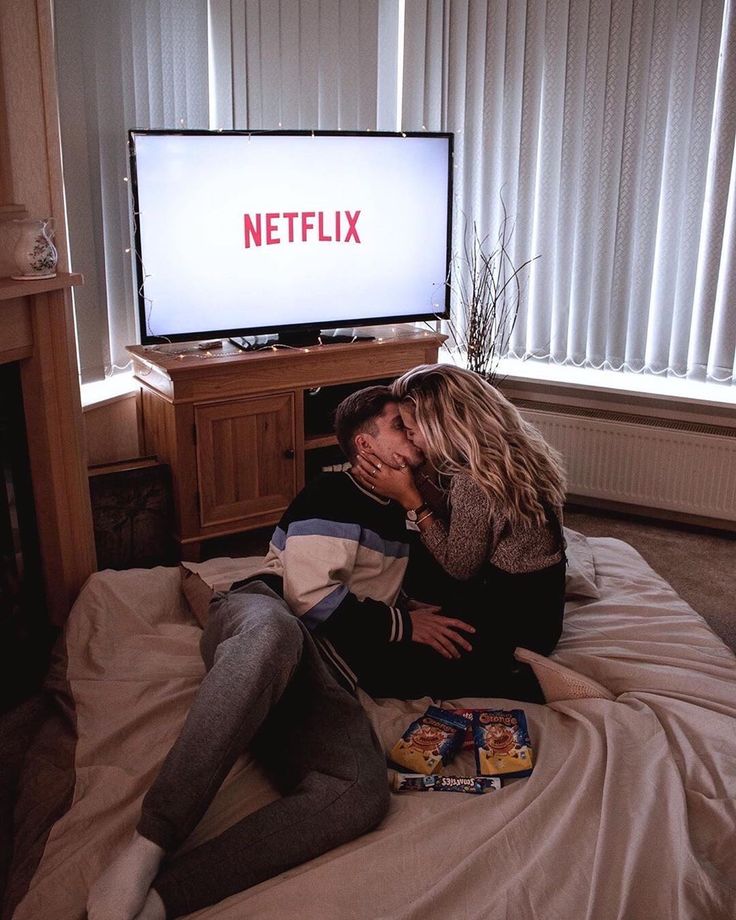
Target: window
608, 130
605, 128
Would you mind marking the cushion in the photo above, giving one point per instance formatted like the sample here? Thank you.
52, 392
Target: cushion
580, 577
200, 580
559, 683
197, 593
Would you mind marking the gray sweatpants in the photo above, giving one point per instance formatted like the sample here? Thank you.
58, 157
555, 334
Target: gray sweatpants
268, 689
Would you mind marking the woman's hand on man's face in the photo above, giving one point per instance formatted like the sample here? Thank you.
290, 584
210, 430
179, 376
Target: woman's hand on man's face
394, 480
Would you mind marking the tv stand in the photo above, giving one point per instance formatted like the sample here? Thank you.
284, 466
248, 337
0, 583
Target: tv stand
242, 431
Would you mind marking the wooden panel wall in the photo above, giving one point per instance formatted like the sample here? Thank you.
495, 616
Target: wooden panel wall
30, 152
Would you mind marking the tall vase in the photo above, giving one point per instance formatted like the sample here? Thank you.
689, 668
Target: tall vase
34, 254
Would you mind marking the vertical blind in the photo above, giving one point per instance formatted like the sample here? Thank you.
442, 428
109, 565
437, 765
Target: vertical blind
605, 128
306, 64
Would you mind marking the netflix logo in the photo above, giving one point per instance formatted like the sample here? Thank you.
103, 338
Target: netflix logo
324, 226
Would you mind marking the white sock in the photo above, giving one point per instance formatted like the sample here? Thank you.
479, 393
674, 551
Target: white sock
153, 909
121, 891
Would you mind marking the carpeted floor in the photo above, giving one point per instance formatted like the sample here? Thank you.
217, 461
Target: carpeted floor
17, 729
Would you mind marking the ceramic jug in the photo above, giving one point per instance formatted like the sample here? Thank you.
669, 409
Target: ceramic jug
34, 254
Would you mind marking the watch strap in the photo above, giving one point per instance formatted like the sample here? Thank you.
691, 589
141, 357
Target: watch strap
414, 513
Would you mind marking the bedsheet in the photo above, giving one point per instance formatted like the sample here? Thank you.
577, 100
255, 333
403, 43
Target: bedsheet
630, 811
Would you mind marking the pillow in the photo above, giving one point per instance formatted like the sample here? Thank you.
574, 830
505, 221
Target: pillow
197, 592
200, 580
580, 577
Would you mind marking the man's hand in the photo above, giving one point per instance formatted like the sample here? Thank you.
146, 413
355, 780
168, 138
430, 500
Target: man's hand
441, 633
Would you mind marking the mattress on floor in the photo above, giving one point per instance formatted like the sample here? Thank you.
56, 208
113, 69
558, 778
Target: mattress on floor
629, 813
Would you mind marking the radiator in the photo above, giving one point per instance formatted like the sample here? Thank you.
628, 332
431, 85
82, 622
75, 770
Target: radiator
650, 462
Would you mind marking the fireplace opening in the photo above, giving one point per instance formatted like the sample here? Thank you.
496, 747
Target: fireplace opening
26, 635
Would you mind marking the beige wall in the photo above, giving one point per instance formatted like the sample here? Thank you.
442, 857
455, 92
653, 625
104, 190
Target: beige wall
113, 429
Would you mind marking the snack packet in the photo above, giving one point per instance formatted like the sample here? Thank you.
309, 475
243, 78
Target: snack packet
469, 740
418, 782
502, 745
430, 742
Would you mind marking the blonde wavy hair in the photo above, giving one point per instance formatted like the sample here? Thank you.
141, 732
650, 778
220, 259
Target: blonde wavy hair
469, 426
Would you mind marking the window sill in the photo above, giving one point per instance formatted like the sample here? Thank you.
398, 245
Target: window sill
111, 389
667, 396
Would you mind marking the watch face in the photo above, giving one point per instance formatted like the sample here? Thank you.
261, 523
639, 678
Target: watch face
411, 515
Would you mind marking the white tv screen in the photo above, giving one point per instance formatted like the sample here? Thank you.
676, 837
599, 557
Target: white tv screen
241, 233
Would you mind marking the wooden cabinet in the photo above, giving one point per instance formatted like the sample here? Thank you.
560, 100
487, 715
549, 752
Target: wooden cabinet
231, 425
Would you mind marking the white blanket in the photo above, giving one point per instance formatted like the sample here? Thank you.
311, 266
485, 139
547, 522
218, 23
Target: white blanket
630, 812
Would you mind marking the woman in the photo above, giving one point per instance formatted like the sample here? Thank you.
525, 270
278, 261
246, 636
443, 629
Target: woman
487, 504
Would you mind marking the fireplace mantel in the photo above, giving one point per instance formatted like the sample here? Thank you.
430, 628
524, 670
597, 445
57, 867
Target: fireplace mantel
10, 288
37, 330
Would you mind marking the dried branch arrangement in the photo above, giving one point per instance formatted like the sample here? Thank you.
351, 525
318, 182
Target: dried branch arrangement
487, 288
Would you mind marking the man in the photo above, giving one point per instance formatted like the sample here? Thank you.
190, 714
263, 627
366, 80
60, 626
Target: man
341, 554
338, 558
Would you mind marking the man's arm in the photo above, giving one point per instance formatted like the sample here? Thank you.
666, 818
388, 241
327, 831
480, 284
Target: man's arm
320, 565
323, 558
441, 633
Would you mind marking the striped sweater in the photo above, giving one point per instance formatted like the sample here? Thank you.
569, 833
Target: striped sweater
338, 557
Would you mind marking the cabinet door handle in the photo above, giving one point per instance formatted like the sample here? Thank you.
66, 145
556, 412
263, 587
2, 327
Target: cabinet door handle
289, 453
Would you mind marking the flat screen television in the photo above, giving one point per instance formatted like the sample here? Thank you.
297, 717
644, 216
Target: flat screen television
289, 232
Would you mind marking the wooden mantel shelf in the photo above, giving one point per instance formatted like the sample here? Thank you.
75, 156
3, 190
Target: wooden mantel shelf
10, 289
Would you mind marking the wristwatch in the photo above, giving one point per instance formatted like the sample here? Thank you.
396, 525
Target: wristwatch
414, 513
